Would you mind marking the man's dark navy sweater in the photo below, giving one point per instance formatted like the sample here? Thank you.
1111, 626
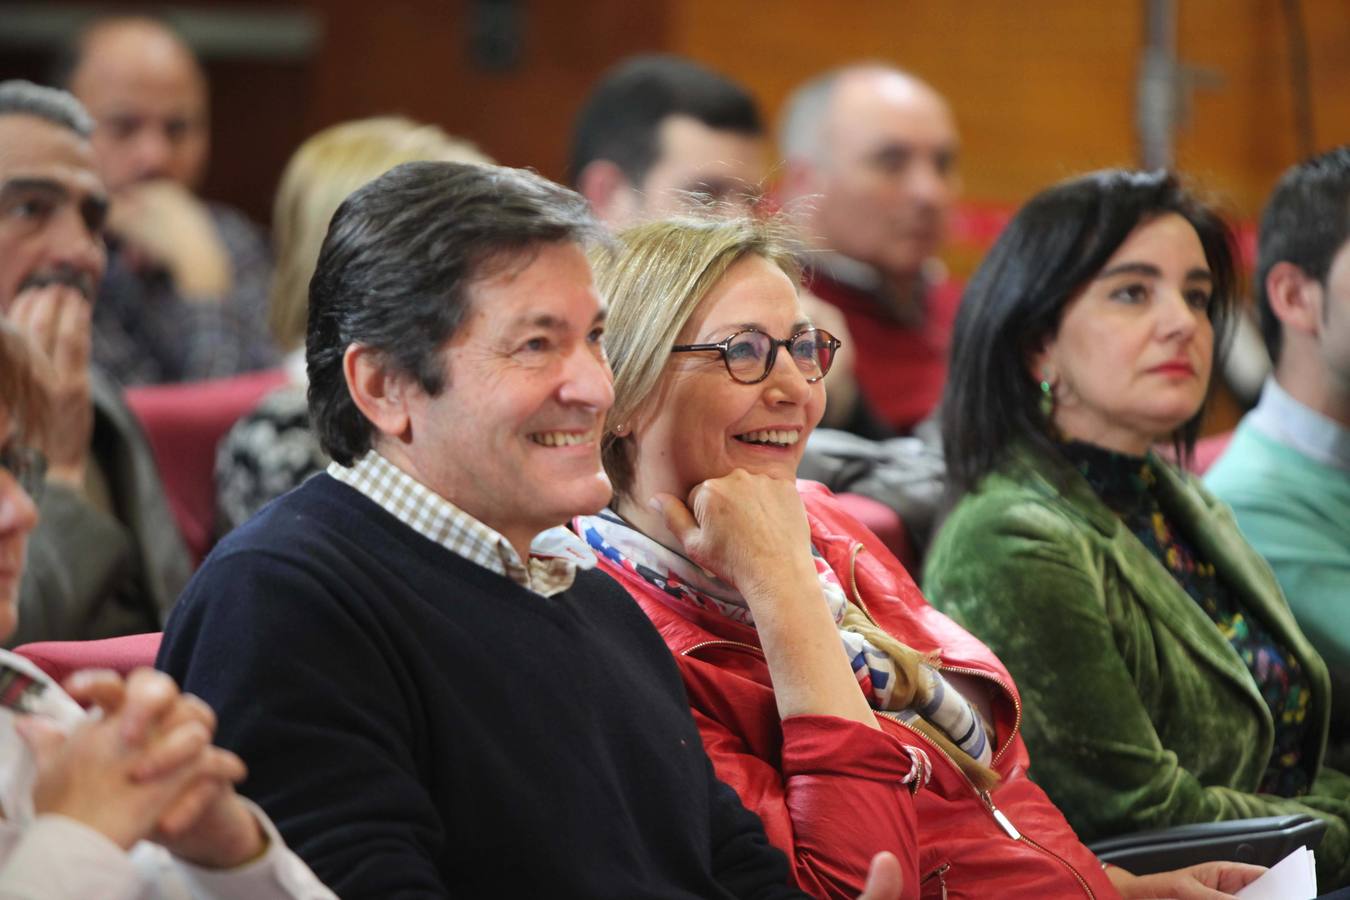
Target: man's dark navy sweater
418, 726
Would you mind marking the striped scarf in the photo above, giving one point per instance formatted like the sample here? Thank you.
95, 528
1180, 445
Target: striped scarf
893, 677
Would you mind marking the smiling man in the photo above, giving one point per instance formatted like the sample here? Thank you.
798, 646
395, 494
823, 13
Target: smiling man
439, 698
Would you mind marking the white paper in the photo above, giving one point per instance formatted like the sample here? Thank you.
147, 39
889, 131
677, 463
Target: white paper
1292, 878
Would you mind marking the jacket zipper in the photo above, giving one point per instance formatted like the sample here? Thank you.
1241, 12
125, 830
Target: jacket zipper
998, 815
940, 873
719, 643
1011, 830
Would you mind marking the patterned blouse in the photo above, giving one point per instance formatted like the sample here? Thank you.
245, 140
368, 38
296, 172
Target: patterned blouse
266, 453
1128, 486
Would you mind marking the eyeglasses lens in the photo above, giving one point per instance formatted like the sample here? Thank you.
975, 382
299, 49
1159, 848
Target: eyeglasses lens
813, 352
746, 355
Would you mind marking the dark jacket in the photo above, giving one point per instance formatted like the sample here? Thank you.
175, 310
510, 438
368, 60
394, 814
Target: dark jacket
93, 573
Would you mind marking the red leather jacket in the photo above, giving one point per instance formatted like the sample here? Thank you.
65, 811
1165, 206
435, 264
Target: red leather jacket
827, 788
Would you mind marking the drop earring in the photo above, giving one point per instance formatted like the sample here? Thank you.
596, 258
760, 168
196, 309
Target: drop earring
1047, 397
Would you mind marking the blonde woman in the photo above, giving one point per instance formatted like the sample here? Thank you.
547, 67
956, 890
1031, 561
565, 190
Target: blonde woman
848, 714
272, 449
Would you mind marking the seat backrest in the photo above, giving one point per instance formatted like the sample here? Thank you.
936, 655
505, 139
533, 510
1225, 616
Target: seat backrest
1208, 450
185, 423
60, 659
882, 521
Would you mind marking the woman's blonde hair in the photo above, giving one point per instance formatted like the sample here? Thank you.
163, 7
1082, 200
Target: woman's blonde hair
24, 391
320, 175
653, 279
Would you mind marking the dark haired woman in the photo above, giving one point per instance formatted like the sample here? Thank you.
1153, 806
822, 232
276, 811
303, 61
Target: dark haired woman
1164, 678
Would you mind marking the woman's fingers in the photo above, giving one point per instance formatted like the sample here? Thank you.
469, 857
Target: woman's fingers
181, 745
103, 688
150, 697
679, 519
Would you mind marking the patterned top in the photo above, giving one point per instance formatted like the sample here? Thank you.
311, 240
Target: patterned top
555, 554
1126, 484
145, 332
266, 453
938, 702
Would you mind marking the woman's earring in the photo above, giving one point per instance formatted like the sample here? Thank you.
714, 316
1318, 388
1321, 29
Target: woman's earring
1047, 397
621, 430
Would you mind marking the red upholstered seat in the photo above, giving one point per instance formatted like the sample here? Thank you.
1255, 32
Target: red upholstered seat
185, 423
882, 521
1208, 450
59, 659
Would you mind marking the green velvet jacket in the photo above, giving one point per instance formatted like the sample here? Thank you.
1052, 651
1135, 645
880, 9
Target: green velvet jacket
1137, 711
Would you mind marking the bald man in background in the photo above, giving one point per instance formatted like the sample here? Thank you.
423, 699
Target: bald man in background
185, 294
871, 177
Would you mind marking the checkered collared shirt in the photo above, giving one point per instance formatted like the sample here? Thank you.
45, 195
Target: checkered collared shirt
555, 554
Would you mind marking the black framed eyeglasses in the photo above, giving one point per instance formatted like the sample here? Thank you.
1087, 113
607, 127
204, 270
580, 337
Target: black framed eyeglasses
749, 354
28, 466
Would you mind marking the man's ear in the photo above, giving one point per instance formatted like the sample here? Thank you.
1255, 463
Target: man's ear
380, 395
1294, 298
610, 193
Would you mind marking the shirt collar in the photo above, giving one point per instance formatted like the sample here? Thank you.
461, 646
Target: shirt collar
555, 554
1301, 428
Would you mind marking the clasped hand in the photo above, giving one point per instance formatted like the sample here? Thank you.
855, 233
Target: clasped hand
143, 767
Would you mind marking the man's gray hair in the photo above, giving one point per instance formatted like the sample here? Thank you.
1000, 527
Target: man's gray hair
18, 97
804, 114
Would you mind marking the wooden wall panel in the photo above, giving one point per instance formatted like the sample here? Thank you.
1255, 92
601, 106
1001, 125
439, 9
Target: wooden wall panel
403, 56
413, 56
1041, 90
1047, 89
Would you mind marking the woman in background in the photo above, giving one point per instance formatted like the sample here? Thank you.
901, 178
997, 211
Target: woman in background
1165, 679
271, 450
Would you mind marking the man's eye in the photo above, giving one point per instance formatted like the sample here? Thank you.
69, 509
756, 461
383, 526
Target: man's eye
175, 129
596, 336
122, 128
31, 208
535, 345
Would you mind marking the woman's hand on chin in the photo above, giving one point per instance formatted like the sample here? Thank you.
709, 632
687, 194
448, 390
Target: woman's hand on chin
749, 530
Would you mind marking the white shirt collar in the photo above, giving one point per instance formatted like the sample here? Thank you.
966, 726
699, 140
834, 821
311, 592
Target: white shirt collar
1286, 421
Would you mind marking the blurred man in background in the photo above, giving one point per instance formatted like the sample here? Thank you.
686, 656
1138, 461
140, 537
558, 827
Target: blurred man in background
871, 176
1286, 473
185, 293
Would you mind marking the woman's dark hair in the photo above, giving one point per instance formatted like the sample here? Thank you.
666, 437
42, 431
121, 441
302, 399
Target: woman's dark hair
1054, 245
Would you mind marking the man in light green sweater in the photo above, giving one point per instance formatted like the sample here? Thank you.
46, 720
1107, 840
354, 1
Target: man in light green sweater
1287, 471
